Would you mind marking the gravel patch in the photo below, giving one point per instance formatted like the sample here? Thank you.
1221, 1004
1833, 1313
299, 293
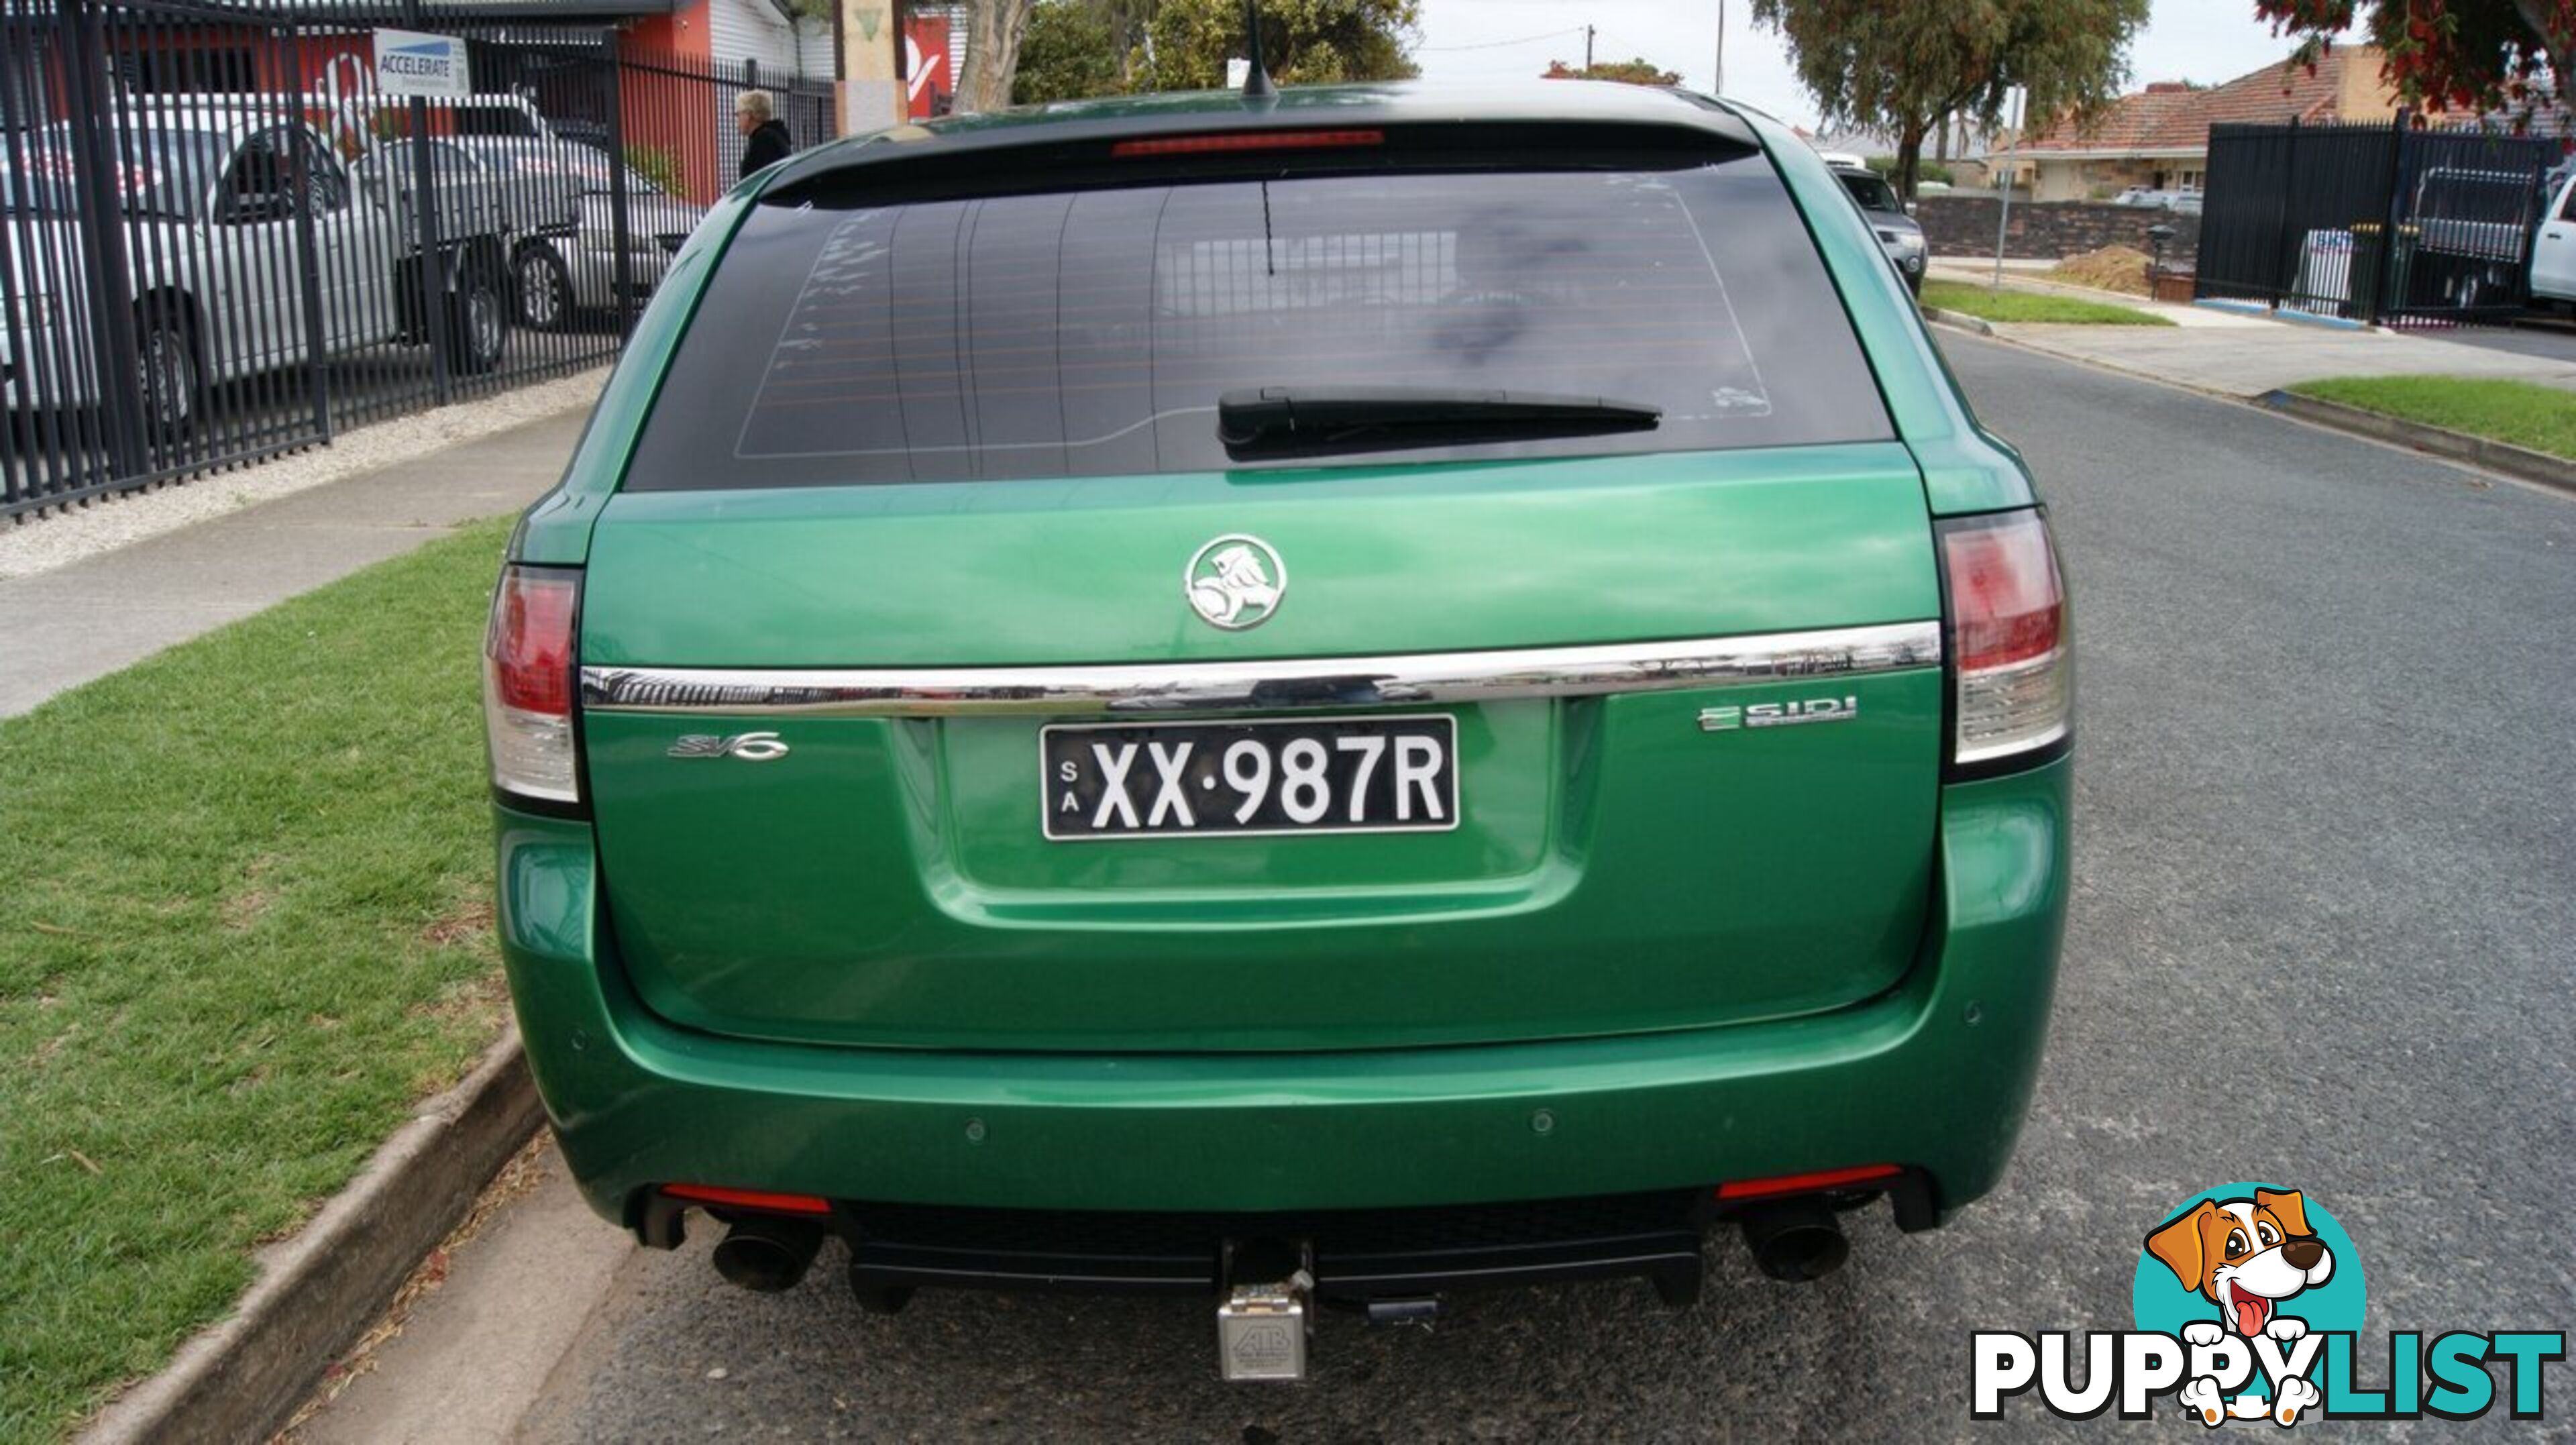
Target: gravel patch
45, 543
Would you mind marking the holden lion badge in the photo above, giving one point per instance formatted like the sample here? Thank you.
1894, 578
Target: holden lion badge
1236, 582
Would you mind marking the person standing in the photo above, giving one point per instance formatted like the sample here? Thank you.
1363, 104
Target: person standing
764, 135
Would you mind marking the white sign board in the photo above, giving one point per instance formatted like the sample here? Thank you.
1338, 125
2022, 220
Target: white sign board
409, 63
1237, 71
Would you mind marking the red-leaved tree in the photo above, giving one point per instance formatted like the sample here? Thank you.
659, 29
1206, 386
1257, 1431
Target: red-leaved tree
2475, 55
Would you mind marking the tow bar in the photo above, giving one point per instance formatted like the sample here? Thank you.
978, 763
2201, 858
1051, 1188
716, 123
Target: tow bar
1261, 1327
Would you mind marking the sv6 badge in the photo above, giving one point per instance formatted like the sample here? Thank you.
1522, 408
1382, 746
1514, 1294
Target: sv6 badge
750, 747
1778, 714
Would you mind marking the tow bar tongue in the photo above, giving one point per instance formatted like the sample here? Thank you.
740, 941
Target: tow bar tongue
1261, 1327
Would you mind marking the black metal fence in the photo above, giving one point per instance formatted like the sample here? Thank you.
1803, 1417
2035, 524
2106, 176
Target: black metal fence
2377, 223
219, 240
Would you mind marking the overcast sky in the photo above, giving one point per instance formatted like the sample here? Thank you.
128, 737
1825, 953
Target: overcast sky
2202, 40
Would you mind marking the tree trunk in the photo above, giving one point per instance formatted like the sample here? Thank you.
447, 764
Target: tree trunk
1909, 157
993, 31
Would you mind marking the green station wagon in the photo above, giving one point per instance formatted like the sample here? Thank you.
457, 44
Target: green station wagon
1303, 701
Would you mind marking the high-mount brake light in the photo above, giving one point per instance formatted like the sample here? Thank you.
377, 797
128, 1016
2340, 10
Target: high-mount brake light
2008, 638
1247, 140
528, 683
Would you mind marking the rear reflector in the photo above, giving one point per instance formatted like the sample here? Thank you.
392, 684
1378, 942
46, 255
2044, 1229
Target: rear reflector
749, 1199
1821, 1179
528, 683
1249, 140
2007, 636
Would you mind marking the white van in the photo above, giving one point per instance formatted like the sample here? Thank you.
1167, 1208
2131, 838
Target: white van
2553, 249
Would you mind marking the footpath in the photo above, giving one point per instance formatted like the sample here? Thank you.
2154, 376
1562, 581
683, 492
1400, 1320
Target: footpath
2253, 356
66, 626
2242, 355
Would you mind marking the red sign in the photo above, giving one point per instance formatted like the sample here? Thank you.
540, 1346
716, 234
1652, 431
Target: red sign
928, 73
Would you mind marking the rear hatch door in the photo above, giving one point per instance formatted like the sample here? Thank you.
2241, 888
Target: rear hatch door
932, 548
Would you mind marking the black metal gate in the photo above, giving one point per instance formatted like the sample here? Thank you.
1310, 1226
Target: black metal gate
219, 241
2376, 223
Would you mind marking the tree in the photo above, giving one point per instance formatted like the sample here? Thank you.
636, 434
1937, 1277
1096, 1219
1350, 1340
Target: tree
1302, 41
1127, 21
1632, 72
993, 32
1903, 66
1071, 51
2448, 54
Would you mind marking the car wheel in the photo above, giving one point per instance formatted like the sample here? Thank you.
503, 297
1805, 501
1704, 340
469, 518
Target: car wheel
542, 288
169, 380
478, 323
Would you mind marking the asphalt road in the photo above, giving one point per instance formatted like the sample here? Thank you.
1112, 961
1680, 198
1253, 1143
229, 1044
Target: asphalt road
2323, 930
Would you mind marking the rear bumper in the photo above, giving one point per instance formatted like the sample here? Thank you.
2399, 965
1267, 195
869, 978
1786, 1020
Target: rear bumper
1934, 1074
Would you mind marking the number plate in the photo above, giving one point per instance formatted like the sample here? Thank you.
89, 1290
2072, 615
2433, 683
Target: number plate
1309, 775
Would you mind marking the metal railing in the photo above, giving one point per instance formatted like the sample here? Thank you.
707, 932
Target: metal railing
220, 241
2380, 223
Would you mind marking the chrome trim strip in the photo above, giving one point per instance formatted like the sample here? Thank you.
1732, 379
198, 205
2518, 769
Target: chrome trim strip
1158, 689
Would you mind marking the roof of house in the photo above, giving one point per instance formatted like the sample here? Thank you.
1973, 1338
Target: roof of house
2170, 117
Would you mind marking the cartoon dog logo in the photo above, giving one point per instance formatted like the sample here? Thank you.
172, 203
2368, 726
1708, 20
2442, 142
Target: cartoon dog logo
2245, 1256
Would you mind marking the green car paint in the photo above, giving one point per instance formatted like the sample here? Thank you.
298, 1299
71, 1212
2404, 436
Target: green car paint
1582, 820
858, 972
1934, 1072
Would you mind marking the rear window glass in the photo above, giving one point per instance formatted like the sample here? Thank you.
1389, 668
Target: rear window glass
1872, 193
1091, 333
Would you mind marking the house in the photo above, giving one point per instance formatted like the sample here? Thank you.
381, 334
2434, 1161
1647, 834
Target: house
764, 38
2159, 137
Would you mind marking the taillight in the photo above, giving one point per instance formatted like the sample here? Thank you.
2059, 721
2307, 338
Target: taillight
2008, 640
528, 683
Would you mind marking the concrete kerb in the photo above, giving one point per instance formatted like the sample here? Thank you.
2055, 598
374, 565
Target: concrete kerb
1976, 325
318, 1292
2540, 467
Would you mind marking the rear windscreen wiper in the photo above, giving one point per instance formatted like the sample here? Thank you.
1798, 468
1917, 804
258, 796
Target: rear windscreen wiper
1294, 421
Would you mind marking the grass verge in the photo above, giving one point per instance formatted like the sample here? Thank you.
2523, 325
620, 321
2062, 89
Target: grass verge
244, 927
2519, 413
2032, 306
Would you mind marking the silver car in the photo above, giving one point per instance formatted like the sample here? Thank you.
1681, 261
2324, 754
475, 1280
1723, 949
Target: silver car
564, 260
220, 193
1899, 234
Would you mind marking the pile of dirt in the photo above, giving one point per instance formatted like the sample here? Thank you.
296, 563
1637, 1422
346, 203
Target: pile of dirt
2113, 268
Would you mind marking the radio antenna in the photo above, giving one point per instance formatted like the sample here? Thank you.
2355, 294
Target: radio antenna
1256, 83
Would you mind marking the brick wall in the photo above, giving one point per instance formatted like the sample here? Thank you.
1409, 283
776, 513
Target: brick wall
1957, 226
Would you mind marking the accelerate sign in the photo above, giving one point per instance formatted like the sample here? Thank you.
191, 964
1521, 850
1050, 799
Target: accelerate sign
411, 63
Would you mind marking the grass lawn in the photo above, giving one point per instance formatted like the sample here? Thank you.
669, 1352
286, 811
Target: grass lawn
243, 928
2031, 306
2542, 418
